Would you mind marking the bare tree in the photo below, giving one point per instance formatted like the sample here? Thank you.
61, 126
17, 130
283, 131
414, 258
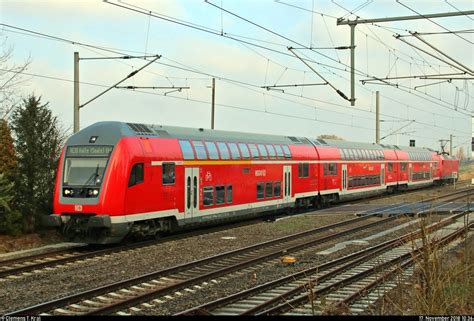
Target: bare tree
11, 78
460, 153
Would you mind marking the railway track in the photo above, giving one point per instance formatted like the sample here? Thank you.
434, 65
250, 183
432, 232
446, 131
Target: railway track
146, 288
344, 283
33, 264
25, 266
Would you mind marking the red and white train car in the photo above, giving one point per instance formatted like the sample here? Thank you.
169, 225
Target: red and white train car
122, 179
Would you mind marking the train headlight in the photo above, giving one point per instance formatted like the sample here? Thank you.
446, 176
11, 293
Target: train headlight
95, 192
67, 192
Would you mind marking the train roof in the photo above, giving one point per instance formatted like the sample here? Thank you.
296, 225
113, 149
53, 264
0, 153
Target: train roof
109, 132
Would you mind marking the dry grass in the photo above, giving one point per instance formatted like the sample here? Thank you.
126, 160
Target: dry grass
441, 285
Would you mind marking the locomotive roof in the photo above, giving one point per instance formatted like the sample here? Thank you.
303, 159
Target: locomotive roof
109, 132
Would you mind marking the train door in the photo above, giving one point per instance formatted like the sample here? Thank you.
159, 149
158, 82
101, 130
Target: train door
431, 171
344, 177
382, 174
409, 172
287, 183
191, 192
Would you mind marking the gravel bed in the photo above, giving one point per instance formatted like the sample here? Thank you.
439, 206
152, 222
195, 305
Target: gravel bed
414, 196
45, 286
48, 285
271, 271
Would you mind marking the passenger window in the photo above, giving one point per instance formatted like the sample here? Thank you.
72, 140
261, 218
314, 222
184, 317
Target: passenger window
262, 150
279, 151
229, 194
390, 167
286, 151
137, 175
187, 149
271, 151
208, 196
212, 149
332, 169
234, 151
268, 190
220, 195
168, 173
277, 189
244, 150
223, 150
260, 191
253, 150
366, 154
303, 170
200, 149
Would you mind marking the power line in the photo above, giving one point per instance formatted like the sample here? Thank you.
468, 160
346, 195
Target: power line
398, 1
101, 48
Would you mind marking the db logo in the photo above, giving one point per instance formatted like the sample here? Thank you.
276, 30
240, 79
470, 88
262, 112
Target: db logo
78, 208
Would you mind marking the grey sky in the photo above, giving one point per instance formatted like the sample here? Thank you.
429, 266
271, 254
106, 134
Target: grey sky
241, 68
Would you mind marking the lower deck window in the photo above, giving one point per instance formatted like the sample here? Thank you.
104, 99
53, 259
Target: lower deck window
229, 194
208, 196
268, 190
220, 195
260, 190
277, 189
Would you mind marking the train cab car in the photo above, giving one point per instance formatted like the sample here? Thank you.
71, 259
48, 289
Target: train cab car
121, 179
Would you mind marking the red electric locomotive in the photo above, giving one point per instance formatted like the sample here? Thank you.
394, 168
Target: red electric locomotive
121, 179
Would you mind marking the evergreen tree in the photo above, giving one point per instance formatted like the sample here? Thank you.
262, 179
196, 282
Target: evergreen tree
39, 139
8, 161
10, 219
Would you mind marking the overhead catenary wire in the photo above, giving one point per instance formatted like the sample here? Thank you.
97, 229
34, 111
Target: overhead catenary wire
273, 50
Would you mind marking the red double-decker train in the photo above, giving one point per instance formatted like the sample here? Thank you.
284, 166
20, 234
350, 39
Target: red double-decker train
118, 180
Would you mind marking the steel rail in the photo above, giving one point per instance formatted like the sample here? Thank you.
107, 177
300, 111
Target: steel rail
176, 269
352, 258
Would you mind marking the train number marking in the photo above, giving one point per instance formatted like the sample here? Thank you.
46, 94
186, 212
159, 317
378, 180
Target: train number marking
208, 176
261, 172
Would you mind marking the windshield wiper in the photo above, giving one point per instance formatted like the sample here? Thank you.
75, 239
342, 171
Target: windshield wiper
92, 178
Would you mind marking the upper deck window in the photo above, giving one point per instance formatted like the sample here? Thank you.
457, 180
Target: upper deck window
262, 150
234, 151
200, 149
244, 150
279, 151
223, 150
286, 151
187, 149
253, 150
212, 149
271, 151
